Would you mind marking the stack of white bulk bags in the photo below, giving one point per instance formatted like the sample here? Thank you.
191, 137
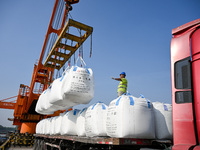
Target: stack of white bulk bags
68, 124
163, 120
76, 86
130, 117
80, 123
95, 120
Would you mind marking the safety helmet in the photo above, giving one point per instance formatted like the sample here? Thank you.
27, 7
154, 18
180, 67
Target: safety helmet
123, 73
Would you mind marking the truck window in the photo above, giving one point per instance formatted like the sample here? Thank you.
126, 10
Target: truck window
183, 97
183, 81
182, 74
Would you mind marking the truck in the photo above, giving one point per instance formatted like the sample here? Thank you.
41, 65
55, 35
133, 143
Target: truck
185, 79
185, 84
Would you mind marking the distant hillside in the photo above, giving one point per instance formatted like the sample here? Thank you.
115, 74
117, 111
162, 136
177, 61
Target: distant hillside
6, 129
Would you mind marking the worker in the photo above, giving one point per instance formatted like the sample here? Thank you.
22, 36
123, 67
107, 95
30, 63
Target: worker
122, 87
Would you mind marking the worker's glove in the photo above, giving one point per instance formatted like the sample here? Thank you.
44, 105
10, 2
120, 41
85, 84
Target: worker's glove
113, 78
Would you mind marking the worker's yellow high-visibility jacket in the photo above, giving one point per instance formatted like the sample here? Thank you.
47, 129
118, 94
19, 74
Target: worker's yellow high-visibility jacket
122, 85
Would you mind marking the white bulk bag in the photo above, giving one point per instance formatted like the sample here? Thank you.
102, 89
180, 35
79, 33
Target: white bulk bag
163, 120
41, 102
130, 117
95, 120
38, 130
52, 125
44, 102
48, 126
40, 127
76, 86
56, 97
58, 121
44, 106
80, 123
68, 124
43, 126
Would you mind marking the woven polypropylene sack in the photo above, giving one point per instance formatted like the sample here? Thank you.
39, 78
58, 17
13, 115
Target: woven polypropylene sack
80, 123
130, 117
56, 97
48, 126
40, 103
40, 127
52, 126
44, 106
57, 127
95, 120
78, 86
68, 124
163, 120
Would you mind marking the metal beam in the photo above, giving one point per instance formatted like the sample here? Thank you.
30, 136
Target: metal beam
7, 105
67, 36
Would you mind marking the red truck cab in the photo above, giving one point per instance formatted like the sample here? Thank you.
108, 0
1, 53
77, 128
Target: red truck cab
185, 77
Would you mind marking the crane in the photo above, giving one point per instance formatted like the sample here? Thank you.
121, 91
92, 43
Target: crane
57, 52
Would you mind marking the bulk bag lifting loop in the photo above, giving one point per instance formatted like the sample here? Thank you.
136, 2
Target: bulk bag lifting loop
82, 61
131, 101
165, 107
80, 123
83, 64
103, 106
83, 110
75, 112
148, 102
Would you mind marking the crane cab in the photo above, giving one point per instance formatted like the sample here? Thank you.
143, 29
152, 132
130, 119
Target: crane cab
185, 78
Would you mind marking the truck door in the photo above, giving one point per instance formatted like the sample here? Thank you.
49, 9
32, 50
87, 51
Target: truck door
195, 52
186, 120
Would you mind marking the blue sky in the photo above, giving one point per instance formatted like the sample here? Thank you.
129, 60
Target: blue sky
133, 36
